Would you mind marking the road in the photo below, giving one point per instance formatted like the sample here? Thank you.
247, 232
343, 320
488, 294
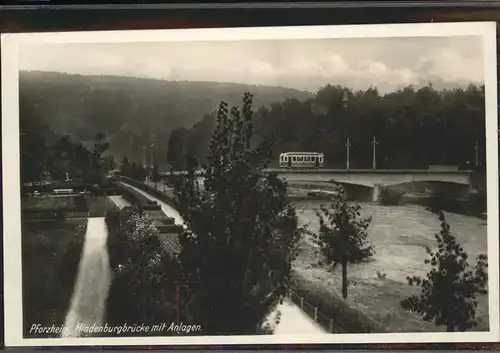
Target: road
293, 321
88, 303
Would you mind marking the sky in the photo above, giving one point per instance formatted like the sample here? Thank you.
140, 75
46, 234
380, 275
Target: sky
306, 64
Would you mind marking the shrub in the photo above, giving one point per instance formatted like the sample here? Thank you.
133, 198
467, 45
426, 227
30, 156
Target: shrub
144, 274
448, 293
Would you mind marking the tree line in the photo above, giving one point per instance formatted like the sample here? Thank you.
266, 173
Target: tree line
63, 158
133, 112
414, 128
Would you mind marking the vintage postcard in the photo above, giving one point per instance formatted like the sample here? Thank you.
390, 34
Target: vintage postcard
325, 184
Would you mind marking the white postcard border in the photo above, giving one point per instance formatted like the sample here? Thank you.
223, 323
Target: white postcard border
11, 171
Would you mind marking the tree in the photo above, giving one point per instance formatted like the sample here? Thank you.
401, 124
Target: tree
142, 270
448, 293
342, 237
155, 173
241, 232
177, 148
109, 163
100, 146
416, 127
33, 156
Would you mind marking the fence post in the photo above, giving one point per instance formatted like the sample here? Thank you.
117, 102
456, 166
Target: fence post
316, 314
331, 325
302, 302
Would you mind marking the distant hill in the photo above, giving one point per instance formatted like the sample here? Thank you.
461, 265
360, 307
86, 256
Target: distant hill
132, 112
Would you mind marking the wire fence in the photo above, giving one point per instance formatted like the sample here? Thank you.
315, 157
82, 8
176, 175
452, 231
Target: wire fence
327, 322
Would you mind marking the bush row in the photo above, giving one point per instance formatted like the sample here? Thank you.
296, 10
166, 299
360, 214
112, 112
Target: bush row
163, 224
139, 200
107, 191
153, 191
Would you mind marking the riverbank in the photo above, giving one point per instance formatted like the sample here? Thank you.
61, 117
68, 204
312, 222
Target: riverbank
399, 235
472, 204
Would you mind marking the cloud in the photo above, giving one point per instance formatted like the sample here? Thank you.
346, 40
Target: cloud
388, 63
449, 65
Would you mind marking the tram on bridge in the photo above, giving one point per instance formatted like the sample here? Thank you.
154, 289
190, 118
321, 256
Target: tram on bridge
301, 160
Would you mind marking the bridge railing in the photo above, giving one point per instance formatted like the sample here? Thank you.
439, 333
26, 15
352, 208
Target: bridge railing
343, 171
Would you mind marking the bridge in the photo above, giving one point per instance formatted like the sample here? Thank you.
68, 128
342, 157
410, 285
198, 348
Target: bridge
371, 178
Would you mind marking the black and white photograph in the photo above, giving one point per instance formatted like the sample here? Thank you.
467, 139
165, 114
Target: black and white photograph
316, 184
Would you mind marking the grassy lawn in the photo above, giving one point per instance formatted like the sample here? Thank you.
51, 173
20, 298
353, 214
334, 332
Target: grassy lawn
54, 202
50, 257
399, 234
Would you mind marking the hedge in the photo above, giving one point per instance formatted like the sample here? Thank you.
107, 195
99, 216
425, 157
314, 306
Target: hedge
153, 191
138, 199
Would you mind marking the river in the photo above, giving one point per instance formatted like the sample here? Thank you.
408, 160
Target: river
400, 235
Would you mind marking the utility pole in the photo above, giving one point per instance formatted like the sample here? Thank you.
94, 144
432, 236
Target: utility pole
348, 146
152, 160
374, 144
177, 284
476, 148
